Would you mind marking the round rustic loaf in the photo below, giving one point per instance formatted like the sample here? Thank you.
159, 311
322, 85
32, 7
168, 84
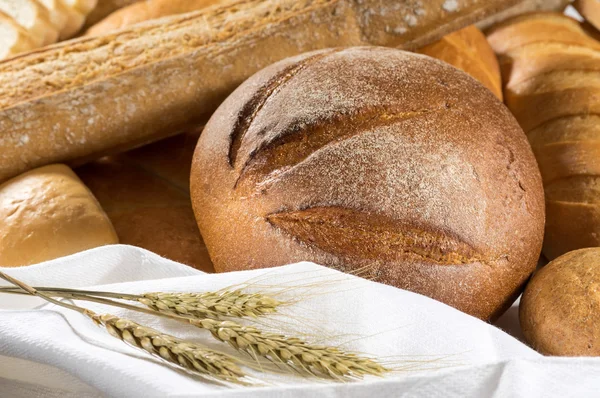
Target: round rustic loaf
560, 309
373, 160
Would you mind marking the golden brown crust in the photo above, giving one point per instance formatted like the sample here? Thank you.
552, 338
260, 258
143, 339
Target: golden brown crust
48, 213
560, 309
145, 196
469, 51
551, 71
373, 159
81, 99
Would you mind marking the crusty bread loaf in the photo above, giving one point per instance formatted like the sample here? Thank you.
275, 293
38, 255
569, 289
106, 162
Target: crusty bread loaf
552, 74
468, 50
590, 10
524, 7
48, 213
88, 97
13, 38
146, 196
419, 178
105, 8
145, 11
559, 310
32, 16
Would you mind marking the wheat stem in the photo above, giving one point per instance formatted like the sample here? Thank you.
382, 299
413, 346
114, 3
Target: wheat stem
187, 355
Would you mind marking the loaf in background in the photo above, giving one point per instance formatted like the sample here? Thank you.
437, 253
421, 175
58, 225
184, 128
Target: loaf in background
135, 86
551, 70
48, 213
34, 18
146, 195
145, 11
468, 50
524, 7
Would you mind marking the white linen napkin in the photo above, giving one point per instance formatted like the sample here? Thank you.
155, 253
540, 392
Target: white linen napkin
439, 350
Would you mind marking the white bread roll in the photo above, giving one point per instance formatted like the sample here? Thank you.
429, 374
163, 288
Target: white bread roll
48, 213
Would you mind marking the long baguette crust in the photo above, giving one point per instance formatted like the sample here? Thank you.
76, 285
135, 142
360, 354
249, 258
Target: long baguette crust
82, 99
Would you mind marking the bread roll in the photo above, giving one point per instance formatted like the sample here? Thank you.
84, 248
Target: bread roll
48, 213
469, 51
560, 310
135, 86
32, 16
377, 160
146, 196
552, 74
145, 11
590, 10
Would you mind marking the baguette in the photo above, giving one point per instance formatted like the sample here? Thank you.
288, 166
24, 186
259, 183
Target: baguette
469, 51
590, 10
147, 10
85, 98
551, 70
48, 213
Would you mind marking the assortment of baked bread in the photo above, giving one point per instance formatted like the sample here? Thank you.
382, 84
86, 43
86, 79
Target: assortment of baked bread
299, 130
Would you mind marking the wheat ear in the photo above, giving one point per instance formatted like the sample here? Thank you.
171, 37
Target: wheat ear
317, 360
187, 355
212, 304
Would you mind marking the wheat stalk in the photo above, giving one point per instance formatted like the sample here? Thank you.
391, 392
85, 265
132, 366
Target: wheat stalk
187, 355
190, 356
317, 360
212, 304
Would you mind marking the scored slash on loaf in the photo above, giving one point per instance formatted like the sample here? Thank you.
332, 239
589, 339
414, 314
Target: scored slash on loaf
122, 90
421, 179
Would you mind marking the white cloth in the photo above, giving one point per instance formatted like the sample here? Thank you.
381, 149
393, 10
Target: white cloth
51, 352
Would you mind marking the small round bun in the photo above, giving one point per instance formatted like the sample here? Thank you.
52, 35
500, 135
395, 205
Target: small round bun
375, 160
560, 309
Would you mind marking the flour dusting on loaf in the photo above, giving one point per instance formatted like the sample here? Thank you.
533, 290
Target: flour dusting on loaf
373, 159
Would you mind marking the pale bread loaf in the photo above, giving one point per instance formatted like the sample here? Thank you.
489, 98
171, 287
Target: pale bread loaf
32, 16
13, 37
48, 213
